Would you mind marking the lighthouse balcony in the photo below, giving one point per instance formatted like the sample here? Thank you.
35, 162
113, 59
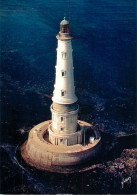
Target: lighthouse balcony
64, 36
65, 109
64, 100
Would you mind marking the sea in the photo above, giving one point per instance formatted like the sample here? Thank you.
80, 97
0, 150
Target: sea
104, 57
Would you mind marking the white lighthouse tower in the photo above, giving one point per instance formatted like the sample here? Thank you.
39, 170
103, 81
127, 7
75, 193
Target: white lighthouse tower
63, 141
64, 129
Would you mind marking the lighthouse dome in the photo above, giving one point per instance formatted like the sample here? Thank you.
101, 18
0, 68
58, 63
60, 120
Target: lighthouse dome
64, 22
64, 32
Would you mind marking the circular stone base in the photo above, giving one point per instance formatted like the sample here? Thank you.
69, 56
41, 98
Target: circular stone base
40, 153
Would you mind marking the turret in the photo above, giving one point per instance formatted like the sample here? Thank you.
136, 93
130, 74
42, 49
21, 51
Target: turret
64, 33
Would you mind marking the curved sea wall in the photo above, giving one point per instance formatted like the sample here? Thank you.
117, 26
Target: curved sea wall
40, 153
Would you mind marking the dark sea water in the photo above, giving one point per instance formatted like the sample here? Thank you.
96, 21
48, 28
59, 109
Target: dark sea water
104, 51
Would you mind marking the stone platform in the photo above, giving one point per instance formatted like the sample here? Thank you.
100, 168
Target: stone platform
40, 153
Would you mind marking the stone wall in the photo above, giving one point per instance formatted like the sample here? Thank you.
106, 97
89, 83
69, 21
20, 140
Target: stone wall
39, 153
65, 122
65, 139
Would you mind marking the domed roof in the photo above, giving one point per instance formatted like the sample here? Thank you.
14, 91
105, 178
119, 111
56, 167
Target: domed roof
64, 22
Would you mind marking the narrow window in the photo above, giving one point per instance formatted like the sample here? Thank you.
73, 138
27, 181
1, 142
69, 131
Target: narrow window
63, 73
62, 93
64, 55
62, 128
62, 119
61, 140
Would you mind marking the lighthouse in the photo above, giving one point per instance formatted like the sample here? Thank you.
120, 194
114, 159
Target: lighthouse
64, 129
62, 143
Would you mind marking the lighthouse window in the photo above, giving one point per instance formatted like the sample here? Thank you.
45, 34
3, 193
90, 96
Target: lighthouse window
63, 93
61, 140
63, 29
64, 55
62, 119
62, 128
63, 73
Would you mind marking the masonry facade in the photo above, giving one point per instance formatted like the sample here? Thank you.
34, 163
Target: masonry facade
64, 129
